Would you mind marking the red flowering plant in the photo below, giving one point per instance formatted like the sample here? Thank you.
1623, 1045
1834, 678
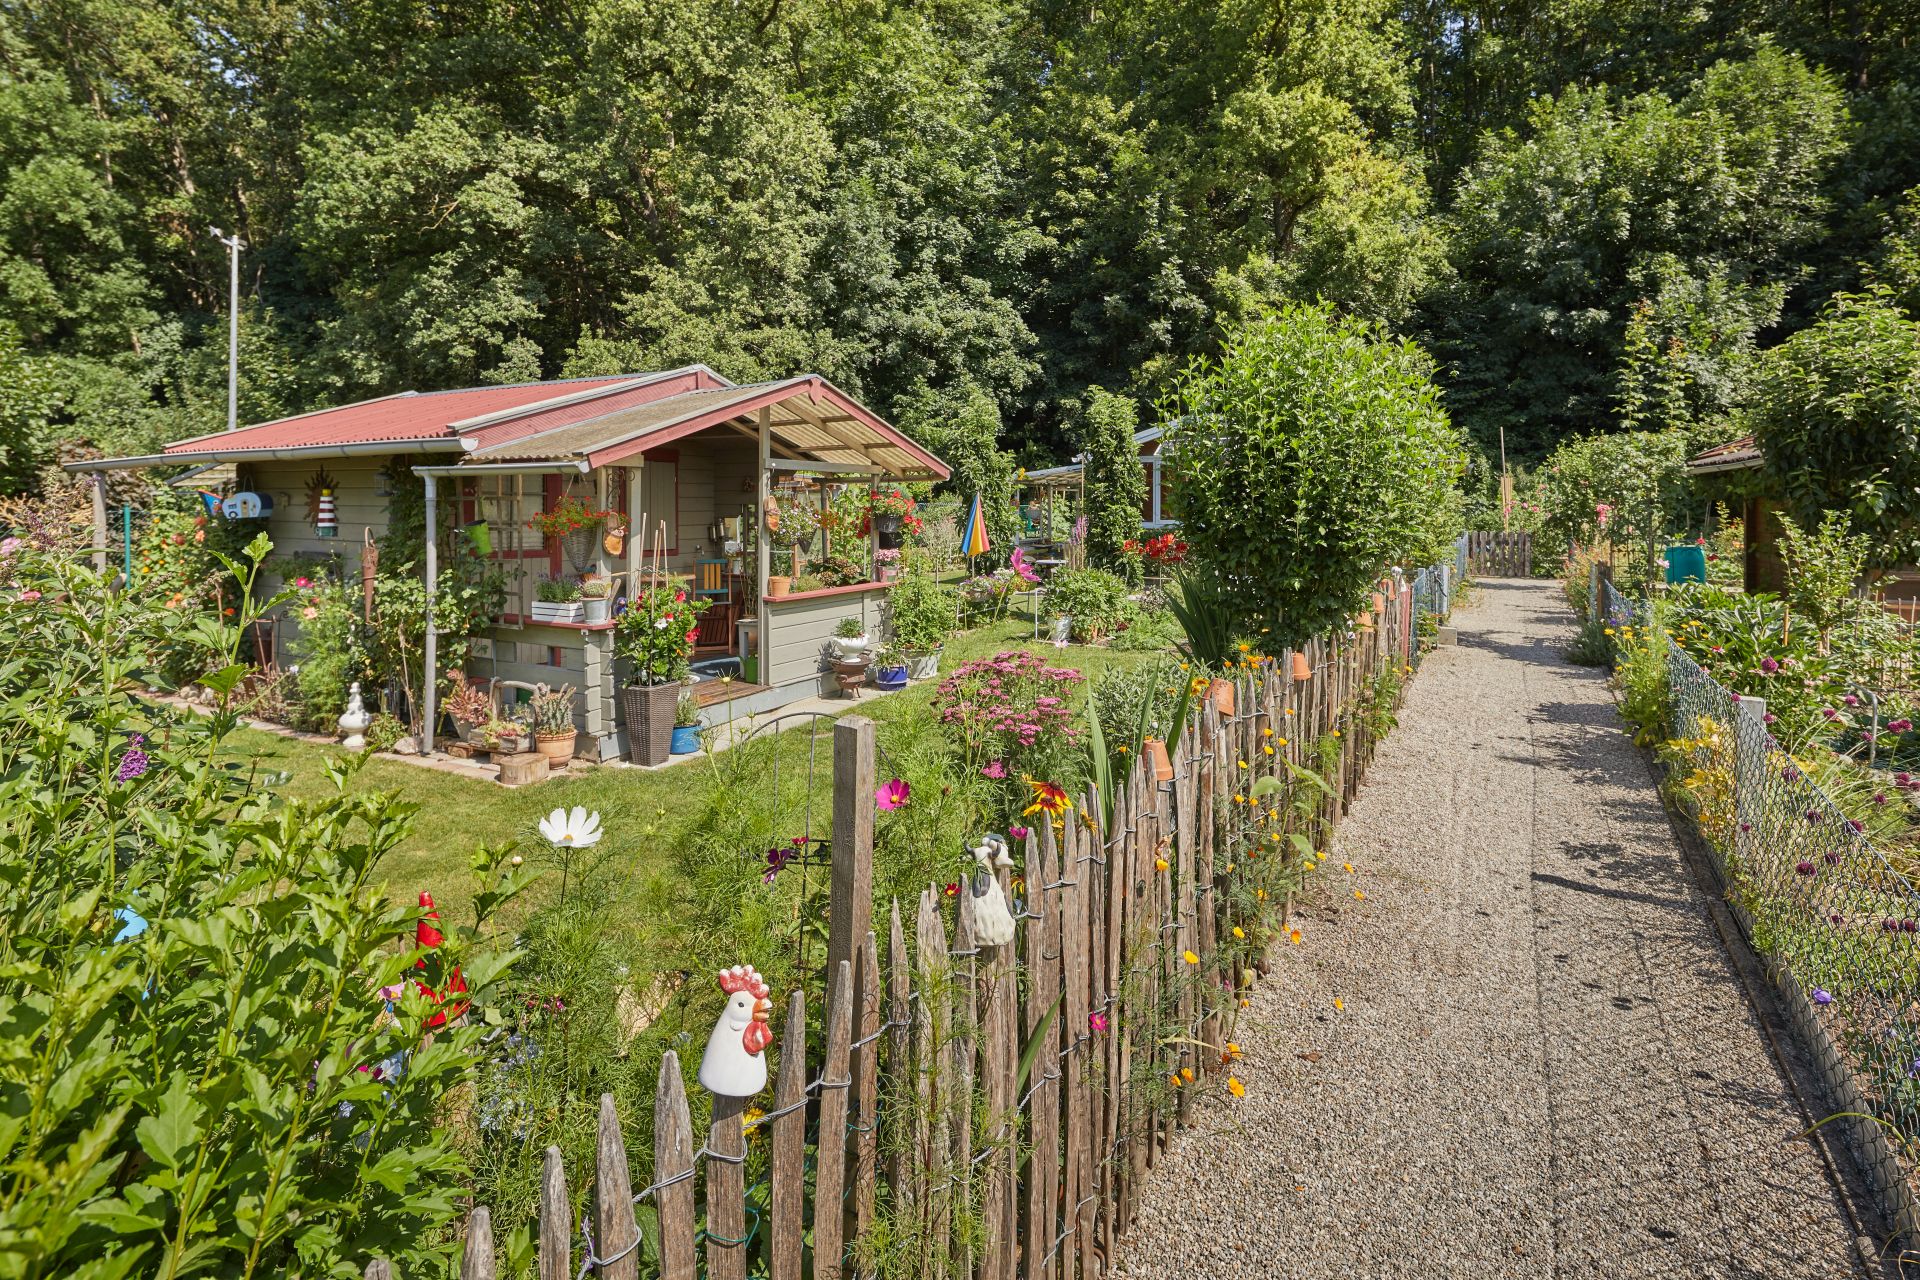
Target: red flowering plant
656, 634
569, 515
1165, 549
1010, 719
893, 502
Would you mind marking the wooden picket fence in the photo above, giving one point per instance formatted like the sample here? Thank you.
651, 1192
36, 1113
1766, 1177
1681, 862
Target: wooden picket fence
1500, 554
914, 1116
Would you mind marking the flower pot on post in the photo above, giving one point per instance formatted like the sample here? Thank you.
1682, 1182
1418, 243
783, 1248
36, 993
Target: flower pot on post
1220, 693
1157, 757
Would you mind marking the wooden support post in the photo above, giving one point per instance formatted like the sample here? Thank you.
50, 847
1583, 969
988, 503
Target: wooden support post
672, 1157
556, 1232
615, 1230
429, 678
97, 490
763, 549
476, 1259
850, 904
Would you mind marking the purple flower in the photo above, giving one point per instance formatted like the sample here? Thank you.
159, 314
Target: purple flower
1822, 996
1900, 726
1769, 666
1018, 833
133, 762
1813, 816
1836, 918
892, 794
994, 769
1768, 718
1097, 1023
1856, 826
1851, 700
1790, 774
1804, 867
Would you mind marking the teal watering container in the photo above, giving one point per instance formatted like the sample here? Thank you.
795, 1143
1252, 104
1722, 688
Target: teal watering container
1686, 563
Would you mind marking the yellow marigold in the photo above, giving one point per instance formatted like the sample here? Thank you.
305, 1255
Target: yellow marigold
1240, 933
1186, 1075
1174, 1080
1360, 894
1243, 764
1159, 864
1189, 957
1233, 1050
1293, 936
1246, 648
1337, 1004
1235, 1088
1268, 749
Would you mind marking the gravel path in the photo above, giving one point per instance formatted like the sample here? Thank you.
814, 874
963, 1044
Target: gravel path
1545, 1064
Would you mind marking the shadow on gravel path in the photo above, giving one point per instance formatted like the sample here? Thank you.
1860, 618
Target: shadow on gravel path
1544, 1064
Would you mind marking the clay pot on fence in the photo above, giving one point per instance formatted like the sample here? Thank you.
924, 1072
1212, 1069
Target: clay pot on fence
1220, 693
1302, 669
1156, 753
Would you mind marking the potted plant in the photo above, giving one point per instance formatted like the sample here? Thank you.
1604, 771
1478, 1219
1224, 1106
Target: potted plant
507, 737
849, 638
553, 730
655, 637
891, 512
596, 600
921, 611
468, 706
480, 535
557, 600
575, 522
686, 726
886, 563
889, 669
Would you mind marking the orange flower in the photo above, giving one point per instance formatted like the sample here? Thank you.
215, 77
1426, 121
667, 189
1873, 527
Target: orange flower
1235, 1088
1048, 798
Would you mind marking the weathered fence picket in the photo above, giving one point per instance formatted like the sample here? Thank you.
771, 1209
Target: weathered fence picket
1117, 985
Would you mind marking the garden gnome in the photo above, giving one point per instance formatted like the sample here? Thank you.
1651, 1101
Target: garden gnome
733, 1065
992, 921
354, 723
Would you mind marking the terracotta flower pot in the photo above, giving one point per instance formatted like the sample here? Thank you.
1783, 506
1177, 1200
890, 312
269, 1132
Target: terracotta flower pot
1156, 752
1220, 693
556, 747
778, 584
1302, 669
1379, 602
650, 709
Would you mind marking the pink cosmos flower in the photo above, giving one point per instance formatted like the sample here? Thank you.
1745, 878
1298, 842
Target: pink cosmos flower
892, 794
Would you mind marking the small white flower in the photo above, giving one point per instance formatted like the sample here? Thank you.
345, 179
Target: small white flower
574, 830
659, 624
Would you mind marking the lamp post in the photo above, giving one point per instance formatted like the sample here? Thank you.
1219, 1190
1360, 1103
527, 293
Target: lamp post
234, 245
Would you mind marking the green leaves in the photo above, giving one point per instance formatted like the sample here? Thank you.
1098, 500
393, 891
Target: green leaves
173, 1126
1311, 455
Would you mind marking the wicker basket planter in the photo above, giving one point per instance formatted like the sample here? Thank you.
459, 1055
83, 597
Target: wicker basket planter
649, 709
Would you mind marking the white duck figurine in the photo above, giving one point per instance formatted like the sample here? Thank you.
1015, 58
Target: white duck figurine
733, 1065
992, 921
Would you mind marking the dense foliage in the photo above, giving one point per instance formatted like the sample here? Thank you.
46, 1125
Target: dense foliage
201, 1069
1115, 488
1837, 413
992, 202
1311, 454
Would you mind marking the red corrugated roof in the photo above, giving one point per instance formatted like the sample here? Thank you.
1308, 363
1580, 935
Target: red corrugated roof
409, 415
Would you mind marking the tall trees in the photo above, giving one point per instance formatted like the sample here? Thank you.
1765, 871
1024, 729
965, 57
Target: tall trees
1557, 235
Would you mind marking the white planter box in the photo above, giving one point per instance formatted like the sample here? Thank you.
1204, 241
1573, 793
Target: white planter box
551, 611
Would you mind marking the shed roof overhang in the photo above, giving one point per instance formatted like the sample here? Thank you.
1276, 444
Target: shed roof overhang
808, 419
1736, 455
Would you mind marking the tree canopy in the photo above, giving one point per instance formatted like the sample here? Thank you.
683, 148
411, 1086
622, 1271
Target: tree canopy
1014, 199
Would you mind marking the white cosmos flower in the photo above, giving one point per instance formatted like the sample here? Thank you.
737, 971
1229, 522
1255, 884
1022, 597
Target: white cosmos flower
574, 830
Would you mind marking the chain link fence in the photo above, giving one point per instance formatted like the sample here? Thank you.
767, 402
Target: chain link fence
1836, 923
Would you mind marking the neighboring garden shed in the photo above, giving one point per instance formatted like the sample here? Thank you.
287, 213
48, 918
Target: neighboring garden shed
1735, 474
683, 460
1045, 483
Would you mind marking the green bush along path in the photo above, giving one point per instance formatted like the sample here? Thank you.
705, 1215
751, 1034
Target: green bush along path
1523, 1052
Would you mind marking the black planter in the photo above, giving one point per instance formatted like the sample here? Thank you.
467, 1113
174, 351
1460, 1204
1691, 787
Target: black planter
886, 531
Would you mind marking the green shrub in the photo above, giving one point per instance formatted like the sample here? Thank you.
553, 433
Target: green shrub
921, 610
1116, 483
1095, 602
1311, 454
1150, 630
1118, 696
328, 651
199, 1070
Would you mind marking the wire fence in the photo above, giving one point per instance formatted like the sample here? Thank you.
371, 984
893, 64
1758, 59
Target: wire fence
1837, 924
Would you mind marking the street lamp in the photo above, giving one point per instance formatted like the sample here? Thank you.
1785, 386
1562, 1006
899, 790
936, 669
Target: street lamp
234, 245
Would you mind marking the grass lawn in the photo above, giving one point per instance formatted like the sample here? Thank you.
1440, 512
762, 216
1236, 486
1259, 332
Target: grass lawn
639, 808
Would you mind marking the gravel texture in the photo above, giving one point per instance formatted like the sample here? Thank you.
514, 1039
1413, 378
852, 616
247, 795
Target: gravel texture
1545, 1064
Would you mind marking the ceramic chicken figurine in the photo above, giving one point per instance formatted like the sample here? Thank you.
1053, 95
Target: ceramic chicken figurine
992, 921
734, 1065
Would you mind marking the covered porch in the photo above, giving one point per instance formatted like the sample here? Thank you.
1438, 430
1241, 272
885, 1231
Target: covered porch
685, 483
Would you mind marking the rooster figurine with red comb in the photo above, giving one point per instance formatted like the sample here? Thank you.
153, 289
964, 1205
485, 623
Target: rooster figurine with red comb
734, 1065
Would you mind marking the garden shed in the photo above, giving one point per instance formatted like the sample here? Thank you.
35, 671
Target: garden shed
1735, 474
679, 463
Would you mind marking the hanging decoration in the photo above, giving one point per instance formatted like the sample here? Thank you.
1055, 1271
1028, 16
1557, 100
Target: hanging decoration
321, 513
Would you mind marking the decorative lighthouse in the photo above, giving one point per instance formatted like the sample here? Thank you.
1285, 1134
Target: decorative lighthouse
326, 523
